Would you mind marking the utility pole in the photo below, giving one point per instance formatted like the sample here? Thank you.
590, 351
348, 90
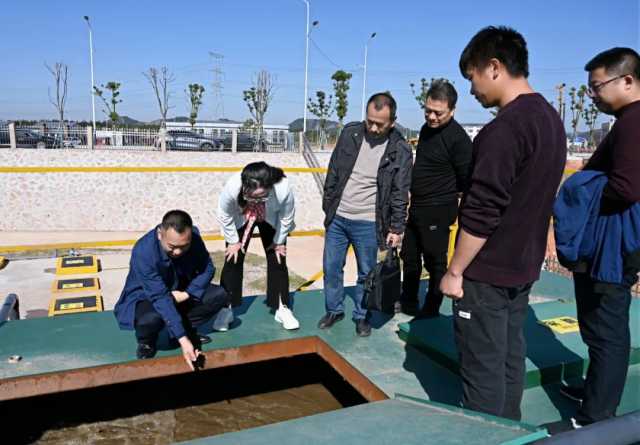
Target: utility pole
216, 85
93, 95
561, 103
306, 66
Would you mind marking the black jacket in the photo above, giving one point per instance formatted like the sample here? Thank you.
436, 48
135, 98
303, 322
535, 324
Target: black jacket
394, 179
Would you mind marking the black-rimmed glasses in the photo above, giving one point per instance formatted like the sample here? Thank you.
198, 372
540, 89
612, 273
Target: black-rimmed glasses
592, 90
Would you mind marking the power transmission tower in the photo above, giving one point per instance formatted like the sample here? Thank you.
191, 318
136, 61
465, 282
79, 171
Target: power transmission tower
216, 85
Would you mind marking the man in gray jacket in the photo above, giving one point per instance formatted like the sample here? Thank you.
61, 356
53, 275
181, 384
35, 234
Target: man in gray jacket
365, 201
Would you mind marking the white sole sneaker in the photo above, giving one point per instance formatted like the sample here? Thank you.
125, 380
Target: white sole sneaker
223, 319
290, 325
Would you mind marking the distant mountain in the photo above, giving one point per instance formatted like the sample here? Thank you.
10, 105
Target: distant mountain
130, 122
312, 124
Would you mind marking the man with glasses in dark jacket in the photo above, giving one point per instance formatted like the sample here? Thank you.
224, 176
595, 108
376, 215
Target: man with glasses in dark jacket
440, 173
365, 203
603, 307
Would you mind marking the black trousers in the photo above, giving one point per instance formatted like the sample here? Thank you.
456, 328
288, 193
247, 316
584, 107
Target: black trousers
277, 274
148, 322
489, 322
426, 237
603, 317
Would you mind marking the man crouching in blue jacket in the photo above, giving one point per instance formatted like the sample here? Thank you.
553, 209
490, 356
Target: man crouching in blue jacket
169, 285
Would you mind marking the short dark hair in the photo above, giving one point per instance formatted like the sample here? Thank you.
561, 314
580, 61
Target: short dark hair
616, 62
178, 220
502, 43
441, 89
258, 175
384, 99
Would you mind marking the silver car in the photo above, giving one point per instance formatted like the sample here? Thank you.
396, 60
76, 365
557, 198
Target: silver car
190, 140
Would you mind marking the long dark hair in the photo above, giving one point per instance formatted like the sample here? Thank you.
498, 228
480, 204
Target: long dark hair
258, 175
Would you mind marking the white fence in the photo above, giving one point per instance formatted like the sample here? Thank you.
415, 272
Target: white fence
144, 139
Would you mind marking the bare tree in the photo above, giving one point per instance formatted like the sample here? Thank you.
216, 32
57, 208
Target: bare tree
160, 80
258, 98
60, 73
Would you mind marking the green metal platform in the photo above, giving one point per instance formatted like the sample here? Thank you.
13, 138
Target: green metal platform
92, 341
402, 421
551, 357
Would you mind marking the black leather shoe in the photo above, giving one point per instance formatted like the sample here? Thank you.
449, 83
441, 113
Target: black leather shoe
198, 340
145, 351
426, 315
329, 319
204, 339
363, 328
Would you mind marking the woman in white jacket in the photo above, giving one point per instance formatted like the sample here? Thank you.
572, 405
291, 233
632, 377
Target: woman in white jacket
258, 196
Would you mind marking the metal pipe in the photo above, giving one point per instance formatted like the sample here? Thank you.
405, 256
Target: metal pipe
623, 430
10, 309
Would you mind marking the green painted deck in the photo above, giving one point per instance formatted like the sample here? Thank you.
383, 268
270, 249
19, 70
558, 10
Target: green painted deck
400, 421
550, 356
72, 342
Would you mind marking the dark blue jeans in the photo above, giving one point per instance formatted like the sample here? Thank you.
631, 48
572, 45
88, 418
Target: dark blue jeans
341, 233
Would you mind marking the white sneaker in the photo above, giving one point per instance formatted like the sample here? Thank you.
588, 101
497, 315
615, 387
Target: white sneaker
223, 319
285, 316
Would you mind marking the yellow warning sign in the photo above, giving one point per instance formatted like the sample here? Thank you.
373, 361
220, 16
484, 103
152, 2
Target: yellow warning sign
72, 262
71, 285
68, 306
561, 325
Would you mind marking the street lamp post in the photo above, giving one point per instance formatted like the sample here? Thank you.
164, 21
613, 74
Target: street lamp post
93, 96
364, 74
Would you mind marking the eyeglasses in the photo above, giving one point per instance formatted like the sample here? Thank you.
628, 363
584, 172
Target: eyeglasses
592, 90
255, 200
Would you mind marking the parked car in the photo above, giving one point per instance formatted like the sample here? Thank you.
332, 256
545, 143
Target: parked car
30, 139
245, 142
190, 140
71, 142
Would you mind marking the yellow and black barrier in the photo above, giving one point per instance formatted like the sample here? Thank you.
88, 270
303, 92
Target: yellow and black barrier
76, 304
77, 265
90, 284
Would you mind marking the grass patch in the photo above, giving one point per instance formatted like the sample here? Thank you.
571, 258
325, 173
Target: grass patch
255, 273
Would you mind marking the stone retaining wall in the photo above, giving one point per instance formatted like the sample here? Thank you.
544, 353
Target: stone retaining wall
130, 201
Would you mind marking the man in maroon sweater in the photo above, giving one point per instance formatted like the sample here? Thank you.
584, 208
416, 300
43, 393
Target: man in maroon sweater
603, 308
517, 164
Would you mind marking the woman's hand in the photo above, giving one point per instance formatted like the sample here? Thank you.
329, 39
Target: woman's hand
232, 252
280, 251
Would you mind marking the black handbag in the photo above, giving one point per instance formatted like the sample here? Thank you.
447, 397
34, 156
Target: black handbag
382, 285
